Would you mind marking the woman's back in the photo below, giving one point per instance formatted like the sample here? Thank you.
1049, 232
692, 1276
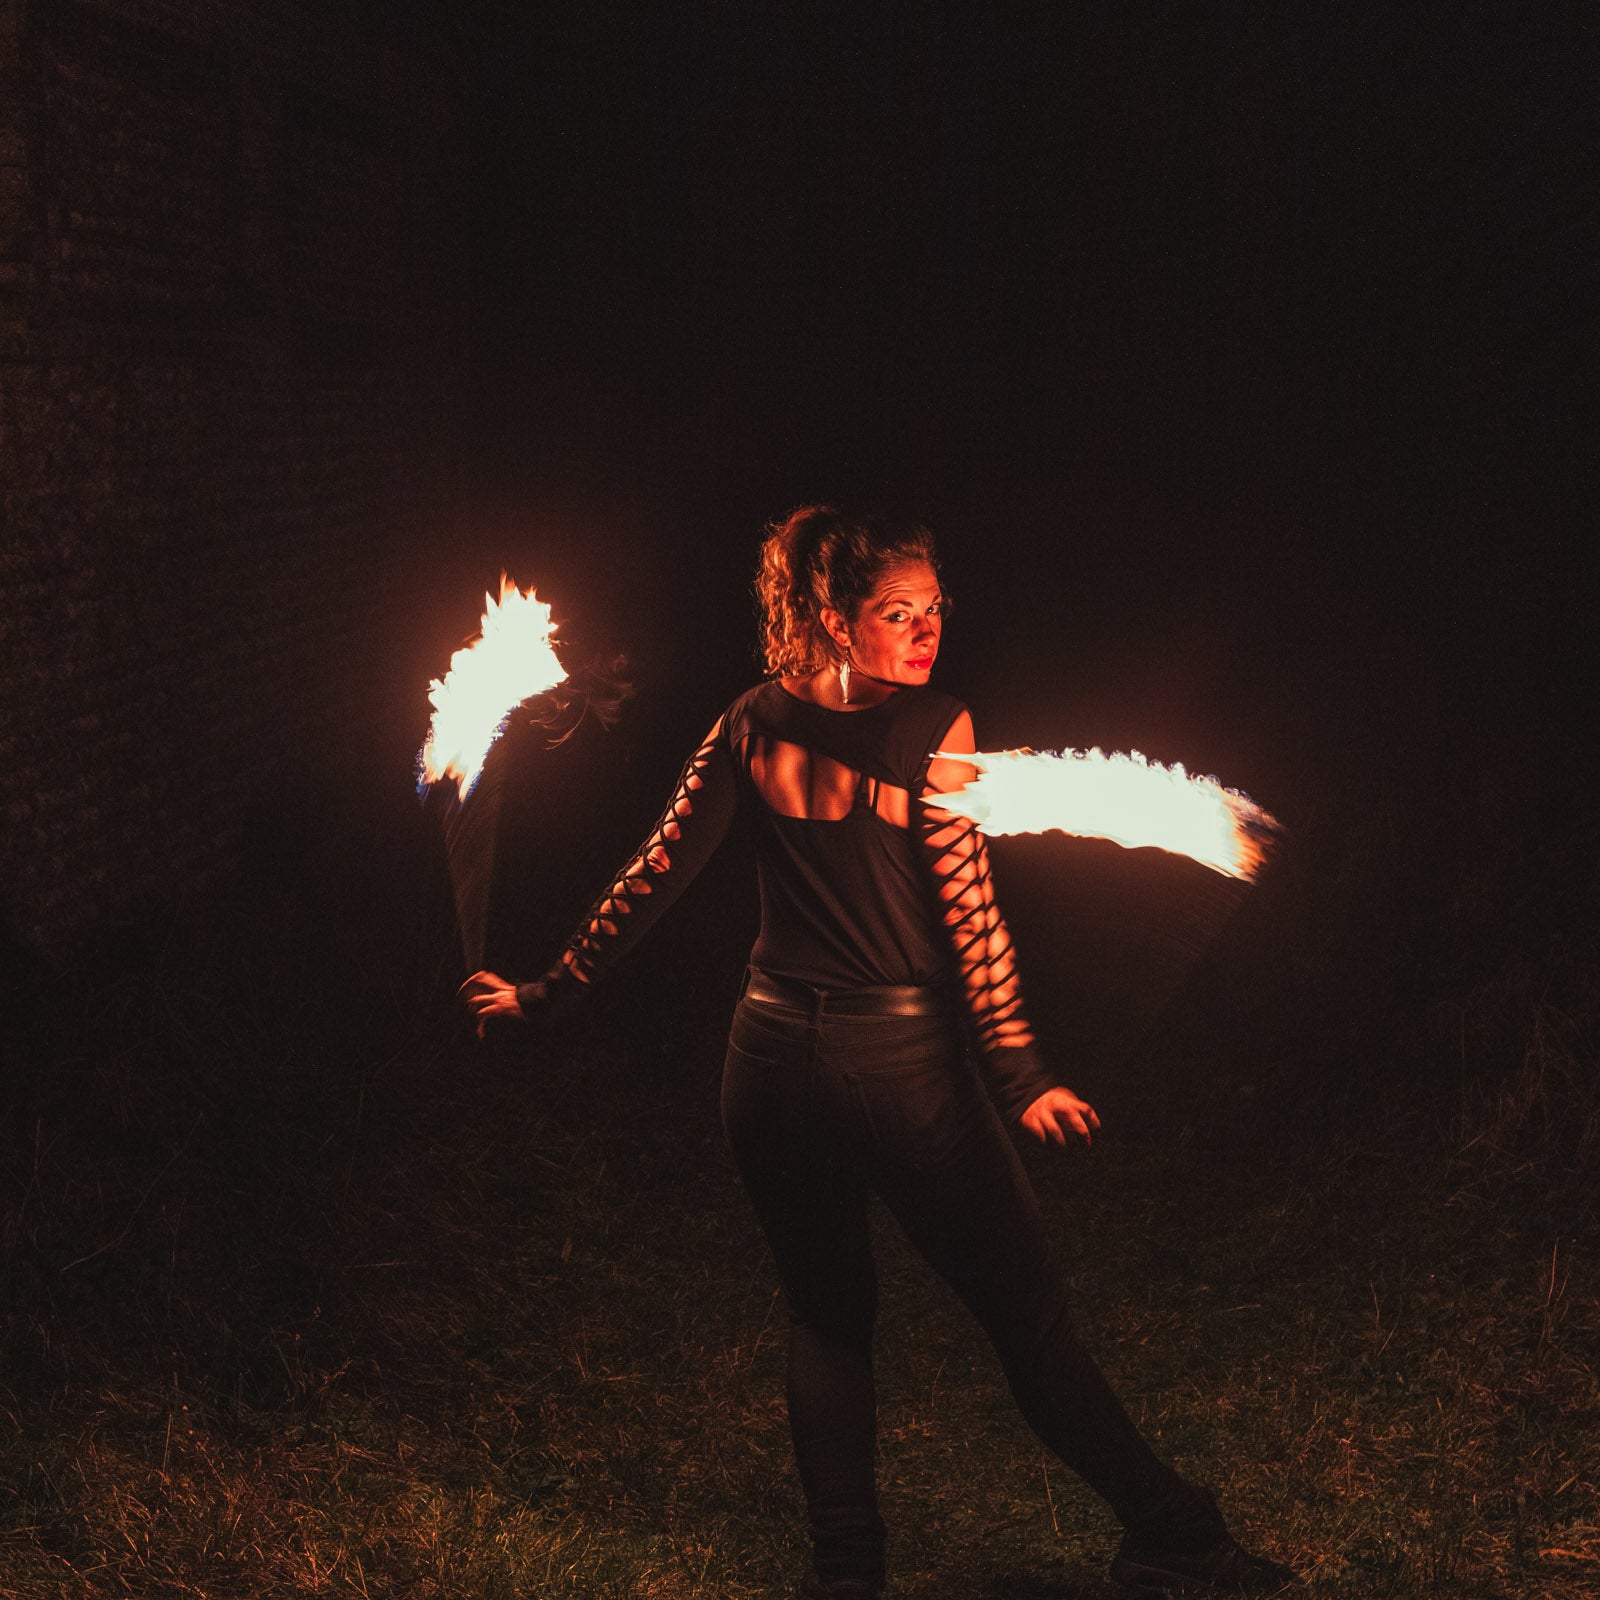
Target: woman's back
846, 897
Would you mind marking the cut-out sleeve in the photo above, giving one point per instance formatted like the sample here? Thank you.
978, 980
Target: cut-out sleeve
959, 861
684, 838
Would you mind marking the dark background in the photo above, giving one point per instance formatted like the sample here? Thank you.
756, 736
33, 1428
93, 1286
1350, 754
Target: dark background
1239, 356
1236, 357
1235, 354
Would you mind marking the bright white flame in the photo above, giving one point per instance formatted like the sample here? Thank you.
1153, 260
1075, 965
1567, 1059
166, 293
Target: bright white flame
1125, 798
511, 660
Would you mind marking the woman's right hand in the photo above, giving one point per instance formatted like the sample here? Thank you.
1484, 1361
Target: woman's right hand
487, 994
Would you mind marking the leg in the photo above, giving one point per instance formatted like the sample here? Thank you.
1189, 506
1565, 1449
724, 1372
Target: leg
813, 1210
948, 1172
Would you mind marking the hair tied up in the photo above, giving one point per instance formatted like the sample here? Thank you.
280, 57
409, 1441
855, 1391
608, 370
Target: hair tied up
810, 527
818, 558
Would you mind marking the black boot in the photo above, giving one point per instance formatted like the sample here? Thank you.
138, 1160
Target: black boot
1200, 1559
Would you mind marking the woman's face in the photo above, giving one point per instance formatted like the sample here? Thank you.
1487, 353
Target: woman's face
895, 635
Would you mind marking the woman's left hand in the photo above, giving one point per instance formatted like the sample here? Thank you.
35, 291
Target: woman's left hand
1044, 1119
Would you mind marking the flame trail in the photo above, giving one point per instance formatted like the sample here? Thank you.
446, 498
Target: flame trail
1125, 798
511, 660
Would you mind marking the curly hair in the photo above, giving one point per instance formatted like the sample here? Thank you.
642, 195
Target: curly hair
818, 558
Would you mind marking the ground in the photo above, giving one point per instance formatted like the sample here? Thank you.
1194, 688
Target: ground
286, 1315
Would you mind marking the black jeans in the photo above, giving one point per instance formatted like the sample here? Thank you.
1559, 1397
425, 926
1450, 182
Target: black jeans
820, 1109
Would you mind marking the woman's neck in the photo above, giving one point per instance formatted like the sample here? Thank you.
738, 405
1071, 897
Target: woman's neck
822, 689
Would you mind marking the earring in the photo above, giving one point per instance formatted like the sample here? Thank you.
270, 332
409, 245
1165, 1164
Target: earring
844, 680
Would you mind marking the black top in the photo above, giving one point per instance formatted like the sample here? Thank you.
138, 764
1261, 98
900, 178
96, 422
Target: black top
861, 885
846, 901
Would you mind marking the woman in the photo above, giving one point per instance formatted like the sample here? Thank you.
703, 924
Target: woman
847, 1069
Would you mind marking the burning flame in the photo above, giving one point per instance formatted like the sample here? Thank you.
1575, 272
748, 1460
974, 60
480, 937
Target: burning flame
511, 660
1125, 798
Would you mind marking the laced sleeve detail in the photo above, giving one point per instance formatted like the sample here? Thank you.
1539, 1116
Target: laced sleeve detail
985, 959
685, 837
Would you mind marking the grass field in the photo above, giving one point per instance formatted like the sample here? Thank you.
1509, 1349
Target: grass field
306, 1293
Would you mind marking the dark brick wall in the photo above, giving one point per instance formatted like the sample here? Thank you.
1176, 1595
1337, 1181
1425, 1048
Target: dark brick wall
224, 318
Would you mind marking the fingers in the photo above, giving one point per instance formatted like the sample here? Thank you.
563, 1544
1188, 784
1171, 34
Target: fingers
1082, 1116
1042, 1124
1079, 1115
1049, 1116
479, 995
485, 995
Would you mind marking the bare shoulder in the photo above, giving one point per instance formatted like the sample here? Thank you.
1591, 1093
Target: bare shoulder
946, 776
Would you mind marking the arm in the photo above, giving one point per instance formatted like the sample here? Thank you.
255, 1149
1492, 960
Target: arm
1019, 1082
685, 837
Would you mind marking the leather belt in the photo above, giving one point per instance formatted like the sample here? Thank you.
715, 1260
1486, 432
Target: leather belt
888, 1000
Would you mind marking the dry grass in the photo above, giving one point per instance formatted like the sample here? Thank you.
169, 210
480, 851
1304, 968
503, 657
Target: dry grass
300, 1302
